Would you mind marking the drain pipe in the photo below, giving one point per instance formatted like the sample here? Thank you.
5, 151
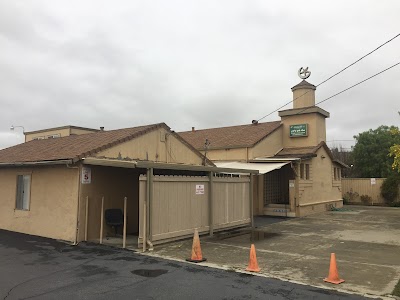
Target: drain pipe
78, 206
149, 215
151, 248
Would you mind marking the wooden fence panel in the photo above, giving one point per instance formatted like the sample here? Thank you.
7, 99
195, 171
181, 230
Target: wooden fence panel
231, 202
176, 208
355, 188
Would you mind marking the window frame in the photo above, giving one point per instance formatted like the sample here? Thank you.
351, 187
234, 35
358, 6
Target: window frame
307, 172
17, 194
302, 171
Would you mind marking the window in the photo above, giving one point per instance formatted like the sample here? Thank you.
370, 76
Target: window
23, 192
307, 171
337, 174
302, 171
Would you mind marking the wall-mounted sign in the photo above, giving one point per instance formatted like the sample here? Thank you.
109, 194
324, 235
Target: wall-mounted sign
373, 181
86, 175
199, 189
298, 130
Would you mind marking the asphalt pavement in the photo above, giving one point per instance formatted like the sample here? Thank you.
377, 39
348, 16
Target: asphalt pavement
39, 268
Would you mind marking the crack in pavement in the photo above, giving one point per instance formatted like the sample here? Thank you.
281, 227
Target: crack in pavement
44, 276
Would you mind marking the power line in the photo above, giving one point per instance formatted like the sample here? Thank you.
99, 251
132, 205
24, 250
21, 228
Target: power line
334, 75
337, 73
326, 99
350, 87
340, 141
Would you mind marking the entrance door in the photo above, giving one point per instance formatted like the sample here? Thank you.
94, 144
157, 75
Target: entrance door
276, 186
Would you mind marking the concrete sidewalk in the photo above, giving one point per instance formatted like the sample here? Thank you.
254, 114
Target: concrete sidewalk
366, 241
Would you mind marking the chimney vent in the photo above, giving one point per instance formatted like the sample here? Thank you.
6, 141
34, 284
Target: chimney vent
102, 128
193, 129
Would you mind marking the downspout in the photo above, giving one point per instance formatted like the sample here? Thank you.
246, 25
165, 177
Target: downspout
146, 211
78, 204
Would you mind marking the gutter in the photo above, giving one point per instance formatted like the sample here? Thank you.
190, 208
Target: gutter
38, 163
155, 165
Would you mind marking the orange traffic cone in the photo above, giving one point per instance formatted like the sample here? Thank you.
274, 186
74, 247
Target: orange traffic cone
253, 265
196, 249
333, 276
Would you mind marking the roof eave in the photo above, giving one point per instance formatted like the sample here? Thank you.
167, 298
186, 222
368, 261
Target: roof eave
37, 163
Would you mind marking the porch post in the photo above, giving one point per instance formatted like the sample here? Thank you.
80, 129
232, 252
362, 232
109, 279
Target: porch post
101, 220
86, 218
149, 204
251, 200
211, 204
124, 232
146, 200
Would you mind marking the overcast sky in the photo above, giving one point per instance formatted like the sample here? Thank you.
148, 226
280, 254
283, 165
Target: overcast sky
192, 63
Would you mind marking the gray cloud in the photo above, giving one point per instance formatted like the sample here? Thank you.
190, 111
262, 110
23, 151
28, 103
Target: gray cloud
191, 63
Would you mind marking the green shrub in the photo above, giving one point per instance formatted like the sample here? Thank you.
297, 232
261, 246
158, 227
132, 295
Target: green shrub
350, 197
390, 188
365, 199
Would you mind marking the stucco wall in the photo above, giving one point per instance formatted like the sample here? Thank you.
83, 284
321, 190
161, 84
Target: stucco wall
321, 187
152, 146
316, 130
80, 131
236, 154
53, 202
114, 184
303, 98
268, 146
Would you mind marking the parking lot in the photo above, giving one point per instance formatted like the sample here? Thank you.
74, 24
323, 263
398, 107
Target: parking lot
366, 241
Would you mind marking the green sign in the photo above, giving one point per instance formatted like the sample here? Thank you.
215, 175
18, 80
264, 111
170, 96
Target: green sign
298, 130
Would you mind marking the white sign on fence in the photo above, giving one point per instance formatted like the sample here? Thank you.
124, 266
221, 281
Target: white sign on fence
373, 181
199, 189
86, 175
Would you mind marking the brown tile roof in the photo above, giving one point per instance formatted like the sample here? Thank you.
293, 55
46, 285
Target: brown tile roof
308, 152
230, 137
72, 147
304, 84
299, 152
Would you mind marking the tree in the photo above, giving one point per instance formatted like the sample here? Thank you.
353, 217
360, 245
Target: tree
395, 151
371, 152
345, 156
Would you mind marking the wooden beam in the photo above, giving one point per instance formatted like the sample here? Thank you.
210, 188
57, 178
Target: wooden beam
211, 204
101, 220
86, 218
124, 233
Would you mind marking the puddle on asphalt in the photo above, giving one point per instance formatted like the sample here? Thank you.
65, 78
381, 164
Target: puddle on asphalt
257, 235
149, 273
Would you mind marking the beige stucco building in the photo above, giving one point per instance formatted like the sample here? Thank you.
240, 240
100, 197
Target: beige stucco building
298, 174
56, 132
63, 187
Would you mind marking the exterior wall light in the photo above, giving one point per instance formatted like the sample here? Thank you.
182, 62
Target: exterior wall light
13, 127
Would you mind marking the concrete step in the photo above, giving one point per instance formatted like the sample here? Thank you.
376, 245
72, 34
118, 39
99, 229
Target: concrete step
272, 205
281, 212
